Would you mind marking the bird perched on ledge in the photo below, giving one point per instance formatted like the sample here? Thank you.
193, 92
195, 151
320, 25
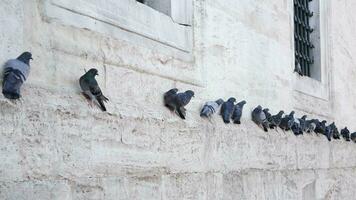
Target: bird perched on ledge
275, 120
227, 109
237, 113
176, 101
345, 133
16, 72
259, 117
353, 137
91, 89
210, 108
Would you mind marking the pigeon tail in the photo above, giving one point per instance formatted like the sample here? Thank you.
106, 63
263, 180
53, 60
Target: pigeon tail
102, 106
181, 112
237, 122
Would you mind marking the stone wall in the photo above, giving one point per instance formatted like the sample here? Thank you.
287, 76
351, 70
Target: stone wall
54, 146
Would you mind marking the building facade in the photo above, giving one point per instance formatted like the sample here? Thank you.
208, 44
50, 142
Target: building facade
54, 146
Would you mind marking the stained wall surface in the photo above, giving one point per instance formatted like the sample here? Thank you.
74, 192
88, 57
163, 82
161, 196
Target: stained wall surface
54, 146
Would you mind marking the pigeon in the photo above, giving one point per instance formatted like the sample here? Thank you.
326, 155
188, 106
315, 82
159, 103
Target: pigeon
310, 125
287, 121
210, 108
268, 115
353, 137
276, 120
335, 131
320, 127
168, 97
16, 72
328, 132
303, 124
179, 100
298, 68
296, 127
227, 109
345, 133
259, 117
91, 89
236, 115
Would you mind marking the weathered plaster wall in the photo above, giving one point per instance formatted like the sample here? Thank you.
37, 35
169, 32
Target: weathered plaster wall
54, 146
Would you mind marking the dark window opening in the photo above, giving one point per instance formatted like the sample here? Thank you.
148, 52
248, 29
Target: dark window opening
302, 34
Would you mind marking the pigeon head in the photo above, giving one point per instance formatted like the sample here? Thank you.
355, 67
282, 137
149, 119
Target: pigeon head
304, 117
259, 108
219, 101
25, 57
291, 114
323, 122
231, 100
266, 110
189, 93
242, 103
93, 72
345, 130
281, 113
173, 91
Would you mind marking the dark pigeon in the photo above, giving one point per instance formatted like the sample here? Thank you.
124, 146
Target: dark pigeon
287, 121
259, 117
335, 131
236, 116
345, 133
227, 109
276, 120
320, 126
180, 100
210, 108
16, 72
353, 137
168, 98
91, 89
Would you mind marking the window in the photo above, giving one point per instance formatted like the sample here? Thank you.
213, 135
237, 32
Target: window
163, 6
304, 47
179, 10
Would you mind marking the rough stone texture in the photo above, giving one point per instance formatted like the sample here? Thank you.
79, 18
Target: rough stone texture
54, 146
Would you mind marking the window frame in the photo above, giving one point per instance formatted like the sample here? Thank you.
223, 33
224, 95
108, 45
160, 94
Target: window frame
131, 16
305, 85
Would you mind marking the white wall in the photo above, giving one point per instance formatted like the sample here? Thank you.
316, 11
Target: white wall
54, 146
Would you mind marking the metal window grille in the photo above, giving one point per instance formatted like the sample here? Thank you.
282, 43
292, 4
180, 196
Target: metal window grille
302, 31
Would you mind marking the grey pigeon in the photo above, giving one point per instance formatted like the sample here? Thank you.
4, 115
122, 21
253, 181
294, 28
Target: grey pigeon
345, 133
303, 123
296, 127
227, 109
91, 89
259, 117
16, 72
276, 119
168, 98
353, 137
298, 68
310, 125
236, 116
287, 121
180, 100
210, 108
320, 127
330, 131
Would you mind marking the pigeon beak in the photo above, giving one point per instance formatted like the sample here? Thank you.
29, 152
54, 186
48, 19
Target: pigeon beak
31, 58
